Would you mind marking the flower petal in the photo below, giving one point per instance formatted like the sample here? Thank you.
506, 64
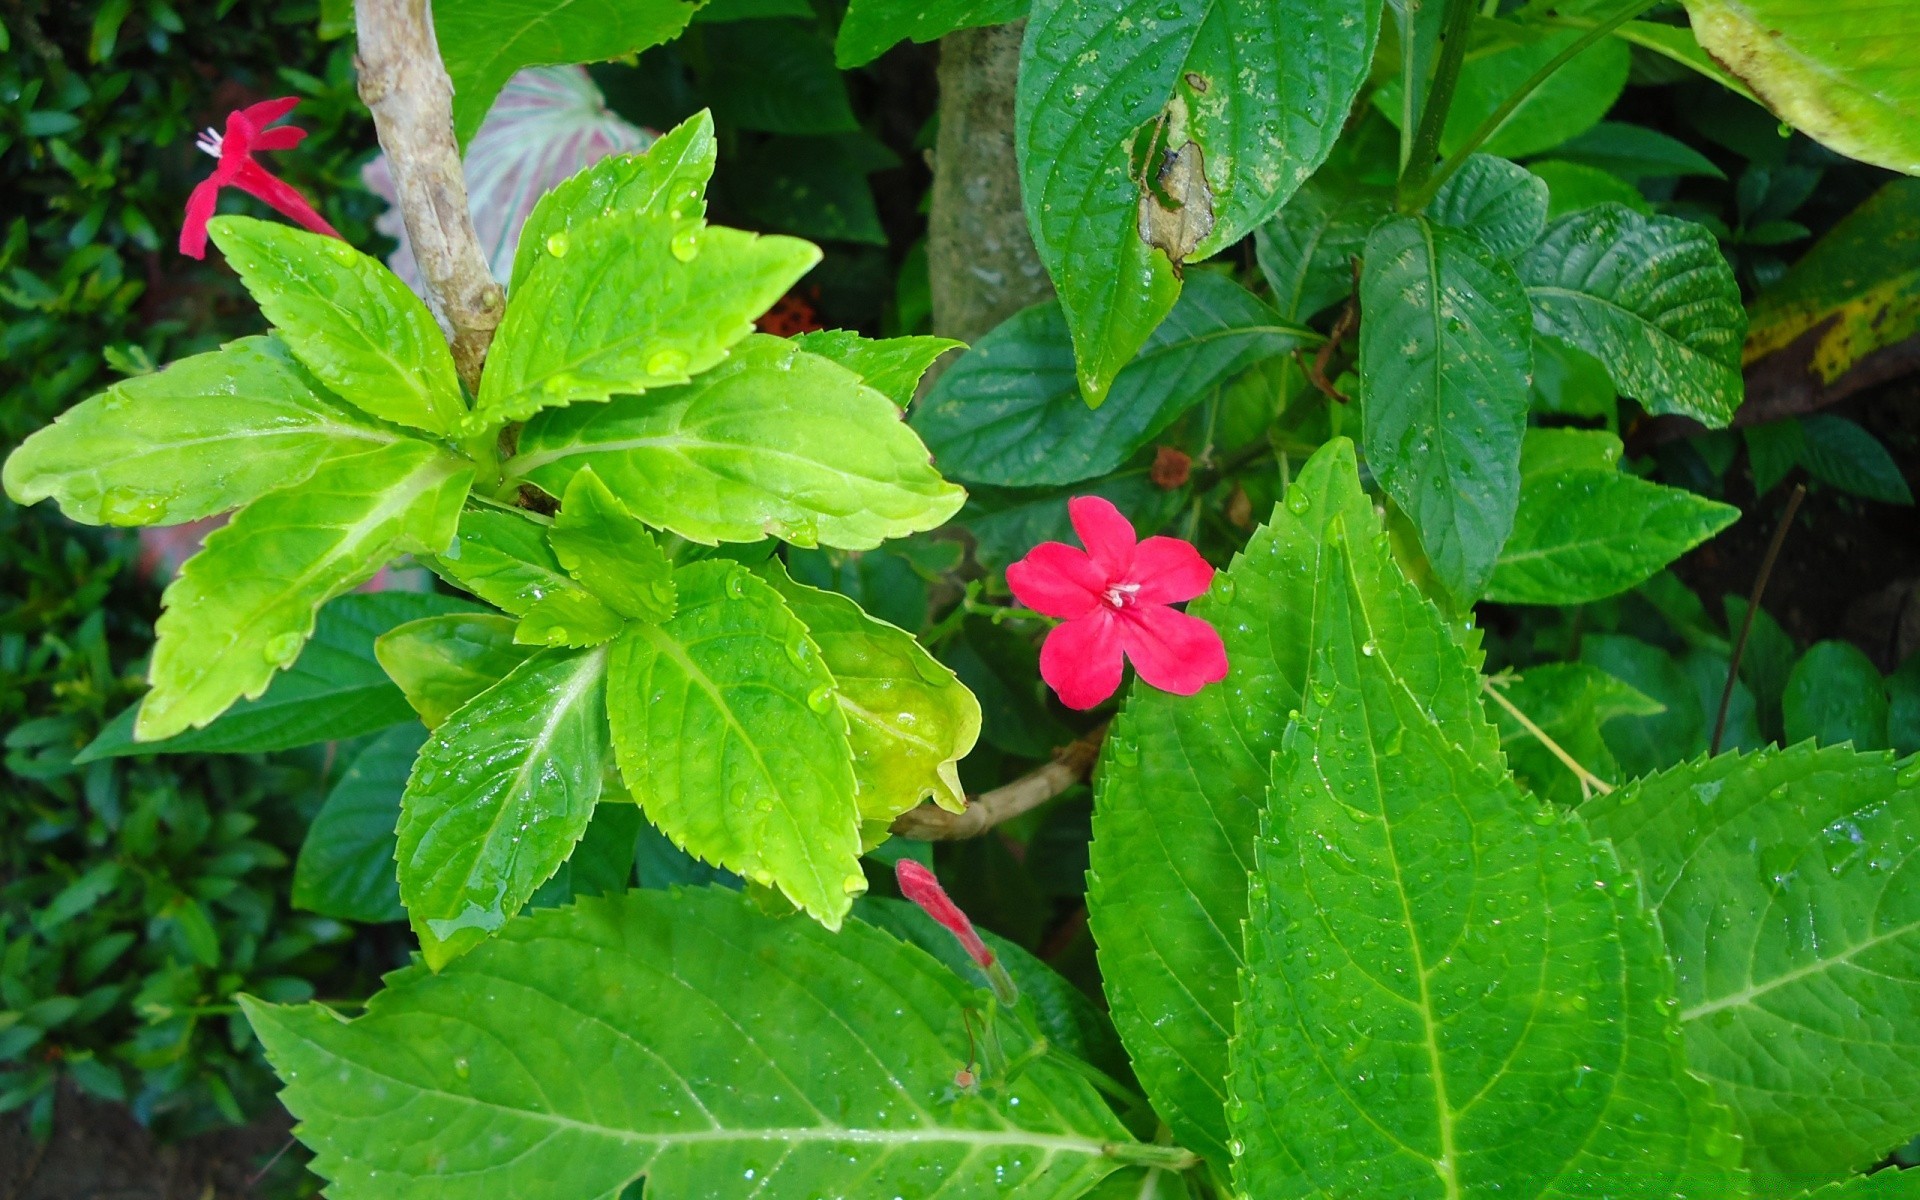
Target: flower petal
1172, 651
1058, 580
254, 179
1081, 660
1104, 531
280, 137
267, 112
1169, 570
200, 205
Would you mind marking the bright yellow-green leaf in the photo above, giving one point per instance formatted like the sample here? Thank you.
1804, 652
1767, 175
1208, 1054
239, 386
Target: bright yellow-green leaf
504, 559
610, 552
442, 662
572, 617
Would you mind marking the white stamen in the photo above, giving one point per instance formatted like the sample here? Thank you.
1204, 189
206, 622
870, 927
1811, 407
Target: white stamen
1121, 594
209, 141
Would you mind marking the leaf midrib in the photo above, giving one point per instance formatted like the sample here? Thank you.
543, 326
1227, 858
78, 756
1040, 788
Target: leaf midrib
1747, 995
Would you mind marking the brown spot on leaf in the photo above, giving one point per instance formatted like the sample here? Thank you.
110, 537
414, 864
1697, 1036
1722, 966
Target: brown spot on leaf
1176, 205
1171, 467
1198, 82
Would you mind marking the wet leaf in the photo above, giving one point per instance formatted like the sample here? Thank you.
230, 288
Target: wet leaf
890, 366
1835, 696
610, 552
1499, 202
442, 662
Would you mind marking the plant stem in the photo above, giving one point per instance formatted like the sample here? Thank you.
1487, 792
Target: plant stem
1589, 782
1458, 24
931, 823
405, 86
1169, 1158
1753, 606
1413, 200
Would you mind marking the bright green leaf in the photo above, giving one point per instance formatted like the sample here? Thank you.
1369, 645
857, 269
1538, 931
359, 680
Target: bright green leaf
568, 618
440, 663
890, 366
1835, 695
345, 869
504, 559
1497, 201
871, 27
610, 552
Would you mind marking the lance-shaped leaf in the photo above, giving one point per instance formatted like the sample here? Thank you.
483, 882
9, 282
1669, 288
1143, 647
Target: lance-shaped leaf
1178, 798
1010, 413
774, 440
611, 553
1501, 203
1782, 880
351, 321
651, 301
570, 618
872, 26
1652, 298
730, 734
890, 366
501, 792
504, 559
1307, 249
588, 1046
206, 434
1148, 137
1449, 991
1445, 355
345, 868
909, 719
244, 605
440, 663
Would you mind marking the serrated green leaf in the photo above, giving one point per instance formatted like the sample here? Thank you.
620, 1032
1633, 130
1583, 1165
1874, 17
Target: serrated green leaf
611, 553
335, 690
345, 869
909, 720
871, 27
503, 558
483, 42
890, 366
1307, 249
652, 302
774, 440
1177, 801
1780, 880
1499, 202
499, 795
1449, 991
204, 435
573, 618
1652, 298
1568, 702
1445, 353
1839, 452
1095, 78
603, 1067
729, 733
1835, 695
361, 331
1009, 412
244, 605
1892, 1184
440, 663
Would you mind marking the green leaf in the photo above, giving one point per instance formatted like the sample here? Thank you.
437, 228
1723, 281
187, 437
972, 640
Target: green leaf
610, 552
871, 27
1306, 250
1636, 152
1835, 695
1009, 412
1652, 298
1177, 800
1643, 744
1110, 98
335, 690
814, 187
1903, 707
1500, 202
890, 366
440, 663
730, 734
653, 302
599, 1058
244, 605
884, 584
1449, 991
774, 440
909, 720
569, 618
1832, 71
1574, 186
1780, 881
499, 795
1839, 452
345, 869
351, 321
1003, 668
775, 76
1892, 1184
1445, 353
204, 435
1568, 702
1007, 524
504, 559
483, 42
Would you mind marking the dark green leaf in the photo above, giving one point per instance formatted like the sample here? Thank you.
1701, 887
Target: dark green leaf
872, 26
1835, 695
1766, 664
1307, 249
1497, 201
1636, 152
1837, 451
1575, 186
346, 867
1644, 744
776, 76
1568, 702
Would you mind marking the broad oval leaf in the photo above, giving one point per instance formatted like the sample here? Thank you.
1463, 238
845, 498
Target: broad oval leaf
499, 795
1445, 355
1783, 880
345, 868
871, 27
1835, 695
774, 440
1500, 202
729, 732
244, 605
1145, 139
351, 321
1652, 298
442, 662
1009, 411
1450, 991
204, 435
891, 366
582, 1049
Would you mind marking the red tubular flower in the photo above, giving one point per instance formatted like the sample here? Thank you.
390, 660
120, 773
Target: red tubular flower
247, 133
1112, 599
919, 885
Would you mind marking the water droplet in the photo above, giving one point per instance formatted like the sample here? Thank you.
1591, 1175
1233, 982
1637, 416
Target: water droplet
282, 648
1222, 586
668, 361
557, 244
1298, 502
686, 244
1367, 648
736, 585
462, 1068
821, 698
129, 506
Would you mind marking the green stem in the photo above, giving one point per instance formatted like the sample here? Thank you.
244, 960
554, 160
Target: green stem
1169, 1158
1458, 23
1415, 199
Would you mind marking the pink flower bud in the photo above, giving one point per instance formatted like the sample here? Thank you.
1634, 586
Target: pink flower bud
919, 885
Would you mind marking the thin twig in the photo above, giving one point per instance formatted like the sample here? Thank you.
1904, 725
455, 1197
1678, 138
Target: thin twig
1753, 606
405, 86
1589, 782
931, 823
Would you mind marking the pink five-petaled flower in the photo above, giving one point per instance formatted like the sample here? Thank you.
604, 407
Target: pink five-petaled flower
247, 134
1112, 600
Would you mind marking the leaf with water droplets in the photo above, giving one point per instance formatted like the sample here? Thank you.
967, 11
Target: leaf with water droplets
891, 366
1501, 203
1783, 882
719, 742
499, 795
503, 558
575, 617
610, 552
442, 662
